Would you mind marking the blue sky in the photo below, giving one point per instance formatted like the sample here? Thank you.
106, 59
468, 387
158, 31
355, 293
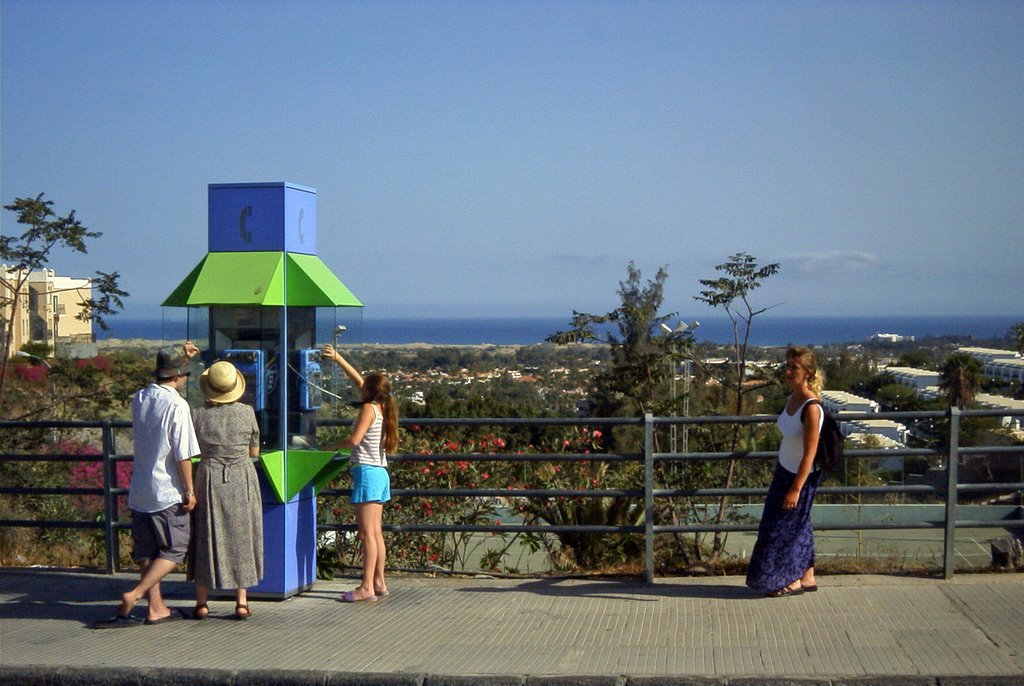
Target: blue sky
510, 158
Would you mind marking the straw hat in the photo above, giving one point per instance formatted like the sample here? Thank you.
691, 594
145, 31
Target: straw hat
222, 383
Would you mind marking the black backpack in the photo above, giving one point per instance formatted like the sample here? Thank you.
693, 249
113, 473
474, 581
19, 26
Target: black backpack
830, 440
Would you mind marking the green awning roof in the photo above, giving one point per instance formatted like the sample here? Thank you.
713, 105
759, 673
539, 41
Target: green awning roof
257, 278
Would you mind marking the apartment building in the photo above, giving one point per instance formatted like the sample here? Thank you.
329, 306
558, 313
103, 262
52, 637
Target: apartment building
999, 402
48, 305
1006, 365
20, 320
986, 355
918, 379
843, 403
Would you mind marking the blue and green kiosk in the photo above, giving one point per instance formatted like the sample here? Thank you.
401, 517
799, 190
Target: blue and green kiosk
255, 300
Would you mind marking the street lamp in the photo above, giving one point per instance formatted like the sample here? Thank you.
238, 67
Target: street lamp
680, 329
22, 353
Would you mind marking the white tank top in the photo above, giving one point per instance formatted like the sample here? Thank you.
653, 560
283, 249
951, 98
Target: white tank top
791, 452
370, 450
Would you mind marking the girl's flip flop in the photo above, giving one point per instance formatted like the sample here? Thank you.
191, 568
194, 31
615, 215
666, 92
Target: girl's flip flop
350, 597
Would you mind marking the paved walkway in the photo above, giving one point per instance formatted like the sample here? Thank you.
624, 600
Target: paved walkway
855, 629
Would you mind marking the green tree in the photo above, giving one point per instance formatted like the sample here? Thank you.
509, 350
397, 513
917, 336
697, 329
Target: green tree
916, 358
30, 251
633, 383
731, 292
1016, 336
640, 359
960, 379
847, 372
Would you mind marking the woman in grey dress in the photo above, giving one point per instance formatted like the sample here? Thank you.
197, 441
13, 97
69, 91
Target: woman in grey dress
227, 527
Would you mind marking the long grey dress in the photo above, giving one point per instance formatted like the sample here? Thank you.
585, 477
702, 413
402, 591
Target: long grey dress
227, 524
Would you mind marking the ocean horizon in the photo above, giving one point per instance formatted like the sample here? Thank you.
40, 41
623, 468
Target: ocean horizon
766, 330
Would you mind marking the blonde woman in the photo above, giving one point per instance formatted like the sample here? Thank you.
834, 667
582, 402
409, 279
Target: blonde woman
782, 562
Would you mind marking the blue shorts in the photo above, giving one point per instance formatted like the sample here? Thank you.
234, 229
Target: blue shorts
370, 484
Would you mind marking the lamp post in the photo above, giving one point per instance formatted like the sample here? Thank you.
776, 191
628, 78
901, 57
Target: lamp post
680, 329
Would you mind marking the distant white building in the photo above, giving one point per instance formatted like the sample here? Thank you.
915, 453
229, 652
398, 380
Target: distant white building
986, 355
894, 431
999, 402
918, 379
1006, 365
842, 403
890, 338
1005, 370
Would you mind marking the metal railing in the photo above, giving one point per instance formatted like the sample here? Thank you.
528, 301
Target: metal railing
951, 455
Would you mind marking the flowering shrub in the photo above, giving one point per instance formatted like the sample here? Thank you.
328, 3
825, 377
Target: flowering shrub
460, 550
428, 549
585, 550
90, 475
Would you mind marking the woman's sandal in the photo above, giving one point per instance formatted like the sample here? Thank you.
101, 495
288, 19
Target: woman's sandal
201, 611
242, 612
784, 591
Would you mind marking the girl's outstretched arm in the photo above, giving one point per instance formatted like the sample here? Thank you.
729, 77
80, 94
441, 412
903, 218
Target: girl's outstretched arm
351, 372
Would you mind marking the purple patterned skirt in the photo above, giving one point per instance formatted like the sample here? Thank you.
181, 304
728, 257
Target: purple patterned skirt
785, 539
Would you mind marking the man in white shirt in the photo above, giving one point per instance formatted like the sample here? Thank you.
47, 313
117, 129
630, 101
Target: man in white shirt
161, 494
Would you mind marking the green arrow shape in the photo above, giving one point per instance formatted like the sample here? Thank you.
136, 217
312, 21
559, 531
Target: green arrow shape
303, 468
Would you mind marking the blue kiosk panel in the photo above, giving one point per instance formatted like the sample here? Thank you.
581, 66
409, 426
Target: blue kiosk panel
262, 217
289, 543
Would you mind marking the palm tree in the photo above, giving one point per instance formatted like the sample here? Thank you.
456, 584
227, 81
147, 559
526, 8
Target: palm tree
960, 379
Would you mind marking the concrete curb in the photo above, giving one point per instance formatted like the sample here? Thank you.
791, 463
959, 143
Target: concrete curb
121, 676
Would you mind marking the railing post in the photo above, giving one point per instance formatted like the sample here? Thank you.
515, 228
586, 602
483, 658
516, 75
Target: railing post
108, 499
952, 477
649, 498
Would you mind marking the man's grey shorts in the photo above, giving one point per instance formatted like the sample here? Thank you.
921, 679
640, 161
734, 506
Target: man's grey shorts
162, 534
